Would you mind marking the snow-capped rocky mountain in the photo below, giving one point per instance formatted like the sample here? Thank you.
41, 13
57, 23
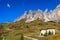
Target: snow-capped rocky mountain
53, 15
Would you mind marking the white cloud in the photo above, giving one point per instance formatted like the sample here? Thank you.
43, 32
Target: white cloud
8, 5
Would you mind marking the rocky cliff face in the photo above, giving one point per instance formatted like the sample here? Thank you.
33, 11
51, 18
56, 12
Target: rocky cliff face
53, 15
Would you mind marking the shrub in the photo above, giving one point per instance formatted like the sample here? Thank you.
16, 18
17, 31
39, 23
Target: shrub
22, 37
27, 26
1, 38
40, 24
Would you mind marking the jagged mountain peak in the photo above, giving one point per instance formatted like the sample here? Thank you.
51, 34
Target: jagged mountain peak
46, 10
38, 10
58, 6
53, 15
51, 10
30, 11
25, 13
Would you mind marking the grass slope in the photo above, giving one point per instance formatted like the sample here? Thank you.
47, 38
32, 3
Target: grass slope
31, 30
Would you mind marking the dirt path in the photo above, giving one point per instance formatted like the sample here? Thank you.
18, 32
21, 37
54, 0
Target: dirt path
30, 38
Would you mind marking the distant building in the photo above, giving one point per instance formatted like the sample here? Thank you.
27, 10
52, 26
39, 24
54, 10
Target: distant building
49, 31
42, 32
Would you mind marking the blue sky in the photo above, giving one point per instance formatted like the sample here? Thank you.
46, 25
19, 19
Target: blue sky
11, 9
